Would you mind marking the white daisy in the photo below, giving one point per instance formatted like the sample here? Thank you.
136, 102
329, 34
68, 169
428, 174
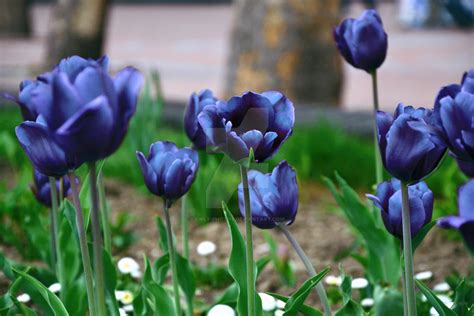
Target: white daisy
206, 248
442, 287
55, 287
333, 280
423, 276
268, 302
280, 304
359, 283
367, 302
23, 298
127, 265
221, 310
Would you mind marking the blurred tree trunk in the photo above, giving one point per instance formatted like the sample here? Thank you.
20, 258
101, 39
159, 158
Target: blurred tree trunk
14, 18
77, 28
286, 45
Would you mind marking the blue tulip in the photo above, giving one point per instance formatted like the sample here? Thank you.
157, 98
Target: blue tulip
259, 121
409, 146
168, 170
83, 114
42, 188
196, 103
454, 118
273, 196
388, 199
362, 41
464, 222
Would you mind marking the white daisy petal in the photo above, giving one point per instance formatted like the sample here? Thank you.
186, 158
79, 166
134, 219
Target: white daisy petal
359, 283
446, 300
221, 310
122, 312
127, 265
367, 302
127, 298
23, 298
333, 280
206, 248
136, 274
279, 312
128, 308
423, 276
268, 302
55, 287
280, 304
442, 287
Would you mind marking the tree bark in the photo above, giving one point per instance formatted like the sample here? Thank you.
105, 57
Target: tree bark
286, 45
14, 18
78, 28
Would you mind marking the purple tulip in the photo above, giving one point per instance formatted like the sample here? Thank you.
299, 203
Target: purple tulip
362, 41
273, 196
42, 188
454, 118
409, 146
259, 121
28, 109
388, 199
465, 221
169, 171
83, 114
196, 103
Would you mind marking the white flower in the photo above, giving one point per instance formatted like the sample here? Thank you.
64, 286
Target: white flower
206, 248
280, 304
128, 308
119, 295
333, 280
122, 312
279, 312
367, 302
221, 310
23, 298
423, 298
433, 312
127, 265
268, 302
136, 274
441, 287
359, 283
446, 300
423, 276
55, 287
127, 298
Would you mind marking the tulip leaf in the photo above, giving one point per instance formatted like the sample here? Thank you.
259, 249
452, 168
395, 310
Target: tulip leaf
140, 305
351, 308
388, 301
160, 269
442, 309
418, 238
163, 241
162, 303
464, 300
237, 268
297, 299
185, 277
110, 284
305, 310
5, 267
56, 306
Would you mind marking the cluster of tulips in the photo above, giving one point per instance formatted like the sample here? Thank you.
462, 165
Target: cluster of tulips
78, 114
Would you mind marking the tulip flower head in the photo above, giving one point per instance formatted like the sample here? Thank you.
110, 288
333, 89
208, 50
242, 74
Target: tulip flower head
362, 41
273, 196
196, 103
409, 146
454, 117
168, 170
388, 199
82, 114
464, 222
261, 122
42, 189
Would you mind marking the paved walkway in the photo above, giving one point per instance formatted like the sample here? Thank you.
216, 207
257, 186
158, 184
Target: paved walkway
188, 45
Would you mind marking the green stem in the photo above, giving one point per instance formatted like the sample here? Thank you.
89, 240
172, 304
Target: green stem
172, 254
249, 243
309, 268
105, 215
378, 158
404, 292
184, 226
408, 254
97, 243
53, 223
86, 261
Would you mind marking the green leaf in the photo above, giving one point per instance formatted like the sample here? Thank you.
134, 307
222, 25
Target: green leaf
110, 283
161, 267
346, 287
237, 267
185, 277
56, 306
418, 238
464, 298
6, 267
305, 310
297, 299
163, 241
442, 309
388, 301
163, 304
351, 308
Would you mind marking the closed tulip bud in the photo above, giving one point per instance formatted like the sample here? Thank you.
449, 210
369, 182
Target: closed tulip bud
454, 117
258, 121
273, 196
168, 170
362, 41
42, 188
83, 114
388, 199
409, 146
464, 222
196, 103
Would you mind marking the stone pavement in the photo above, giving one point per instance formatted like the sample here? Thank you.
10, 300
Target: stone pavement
188, 45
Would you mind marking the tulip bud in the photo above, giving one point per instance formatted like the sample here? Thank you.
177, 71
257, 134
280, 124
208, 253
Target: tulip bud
196, 103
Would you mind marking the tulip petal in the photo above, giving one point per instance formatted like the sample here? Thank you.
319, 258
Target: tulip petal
467, 232
252, 139
149, 174
466, 200
467, 167
128, 83
235, 147
212, 125
451, 222
93, 82
72, 66
46, 156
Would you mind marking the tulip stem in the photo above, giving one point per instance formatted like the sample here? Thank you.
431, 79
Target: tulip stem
86, 261
184, 226
378, 158
249, 243
309, 267
172, 254
97, 243
404, 292
408, 253
105, 214
55, 251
